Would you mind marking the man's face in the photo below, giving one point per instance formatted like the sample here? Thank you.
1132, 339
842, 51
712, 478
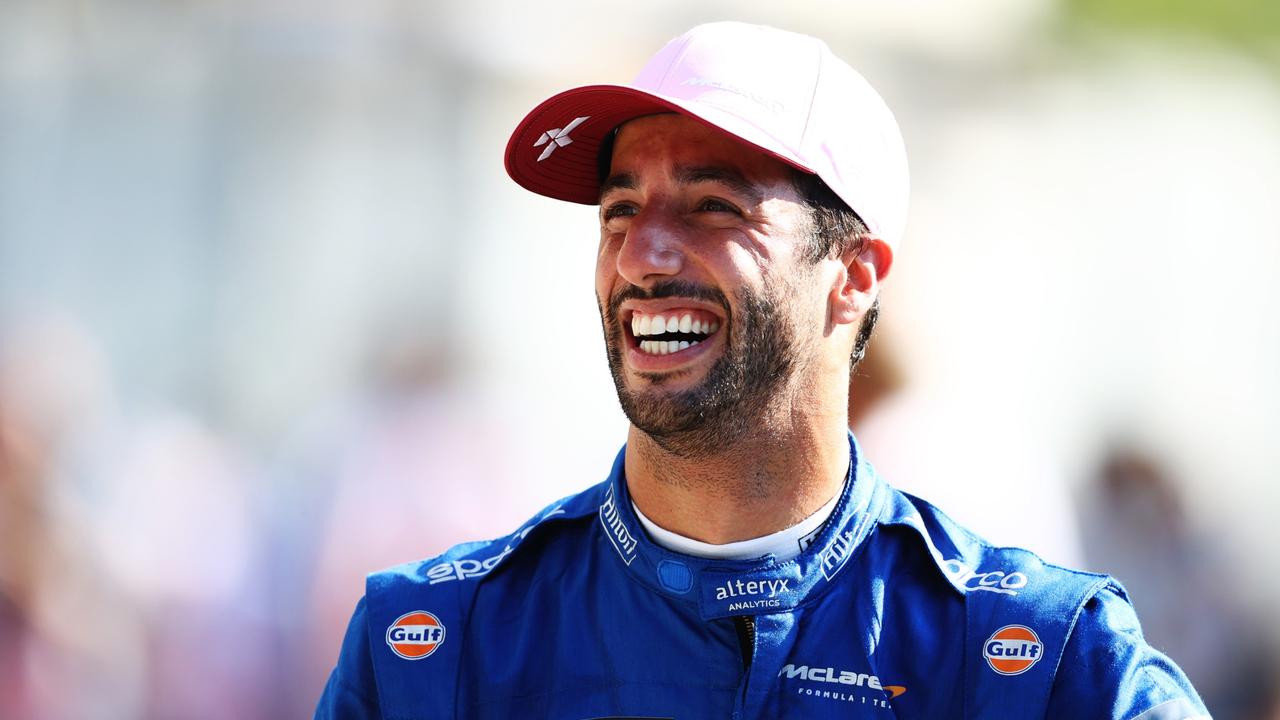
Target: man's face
708, 307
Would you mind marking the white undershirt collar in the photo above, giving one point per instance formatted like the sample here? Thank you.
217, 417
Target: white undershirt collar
784, 544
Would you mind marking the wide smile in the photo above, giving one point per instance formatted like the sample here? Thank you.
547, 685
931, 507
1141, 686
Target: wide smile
668, 337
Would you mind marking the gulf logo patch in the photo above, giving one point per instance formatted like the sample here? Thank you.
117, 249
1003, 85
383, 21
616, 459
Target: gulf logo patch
1012, 649
415, 635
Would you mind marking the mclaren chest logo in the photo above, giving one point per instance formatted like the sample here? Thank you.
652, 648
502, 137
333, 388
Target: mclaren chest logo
830, 683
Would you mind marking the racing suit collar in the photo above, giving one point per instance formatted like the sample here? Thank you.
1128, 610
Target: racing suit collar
723, 588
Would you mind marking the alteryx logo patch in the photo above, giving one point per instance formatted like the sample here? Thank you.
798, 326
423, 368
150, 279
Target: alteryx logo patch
1013, 649
751, 592
415, 635
738, 588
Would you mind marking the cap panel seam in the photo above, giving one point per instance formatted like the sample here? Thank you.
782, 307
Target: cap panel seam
813, 98
662, 83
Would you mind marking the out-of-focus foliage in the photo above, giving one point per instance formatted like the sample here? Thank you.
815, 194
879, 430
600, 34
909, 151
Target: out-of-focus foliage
1250, 25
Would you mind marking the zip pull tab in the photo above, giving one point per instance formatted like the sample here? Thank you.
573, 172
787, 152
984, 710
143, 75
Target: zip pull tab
746, 627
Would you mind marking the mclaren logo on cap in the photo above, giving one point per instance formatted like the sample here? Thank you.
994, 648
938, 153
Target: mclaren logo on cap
415, 635
557, 137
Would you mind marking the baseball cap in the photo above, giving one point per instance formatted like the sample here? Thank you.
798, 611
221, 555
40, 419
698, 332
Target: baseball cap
784, 93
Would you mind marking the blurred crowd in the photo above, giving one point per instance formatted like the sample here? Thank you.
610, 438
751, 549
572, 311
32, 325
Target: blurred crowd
153, 567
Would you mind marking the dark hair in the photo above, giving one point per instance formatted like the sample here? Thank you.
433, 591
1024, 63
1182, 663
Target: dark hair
836, 228
835, 224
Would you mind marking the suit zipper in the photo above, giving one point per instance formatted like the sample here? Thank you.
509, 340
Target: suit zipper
746, 627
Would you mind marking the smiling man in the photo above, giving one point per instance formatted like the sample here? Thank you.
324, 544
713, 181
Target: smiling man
742, 560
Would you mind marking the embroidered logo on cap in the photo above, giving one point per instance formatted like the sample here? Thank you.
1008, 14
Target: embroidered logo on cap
557, 137
415, 635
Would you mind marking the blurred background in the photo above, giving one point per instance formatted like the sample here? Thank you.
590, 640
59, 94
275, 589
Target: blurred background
272, 315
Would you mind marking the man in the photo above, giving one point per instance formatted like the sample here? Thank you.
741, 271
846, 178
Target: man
743, 560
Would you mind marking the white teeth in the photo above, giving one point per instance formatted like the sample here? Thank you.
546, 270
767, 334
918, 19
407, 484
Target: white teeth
662, 347
642, 325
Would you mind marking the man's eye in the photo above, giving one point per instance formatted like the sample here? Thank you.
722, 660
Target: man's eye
718, 206
618, 210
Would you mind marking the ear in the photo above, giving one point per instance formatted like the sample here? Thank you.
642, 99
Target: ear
863, 268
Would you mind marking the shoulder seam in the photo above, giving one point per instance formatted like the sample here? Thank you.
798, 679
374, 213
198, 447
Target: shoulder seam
1099, 585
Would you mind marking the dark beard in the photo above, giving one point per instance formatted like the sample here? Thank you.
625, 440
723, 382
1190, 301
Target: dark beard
759, 357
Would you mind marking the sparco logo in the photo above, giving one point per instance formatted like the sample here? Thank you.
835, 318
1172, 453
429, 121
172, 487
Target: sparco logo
835, 554
473, 568
616, 529
996, 581
840, 677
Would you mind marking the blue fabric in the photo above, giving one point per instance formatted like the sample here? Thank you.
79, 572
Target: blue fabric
892, 611
1109, 671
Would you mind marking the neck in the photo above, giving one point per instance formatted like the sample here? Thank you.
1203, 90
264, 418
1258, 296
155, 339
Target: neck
781, 472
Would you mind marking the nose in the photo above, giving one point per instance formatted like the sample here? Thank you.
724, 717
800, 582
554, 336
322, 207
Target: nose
652, 249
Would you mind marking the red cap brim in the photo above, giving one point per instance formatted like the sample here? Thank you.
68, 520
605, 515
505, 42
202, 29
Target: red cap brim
570, 171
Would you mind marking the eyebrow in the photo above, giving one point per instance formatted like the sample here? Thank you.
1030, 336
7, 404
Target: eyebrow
692, 175
621, 181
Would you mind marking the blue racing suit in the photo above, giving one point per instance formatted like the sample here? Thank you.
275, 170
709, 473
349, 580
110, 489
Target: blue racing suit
893, 611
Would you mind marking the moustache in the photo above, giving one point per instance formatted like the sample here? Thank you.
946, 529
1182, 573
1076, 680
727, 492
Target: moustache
667, 289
